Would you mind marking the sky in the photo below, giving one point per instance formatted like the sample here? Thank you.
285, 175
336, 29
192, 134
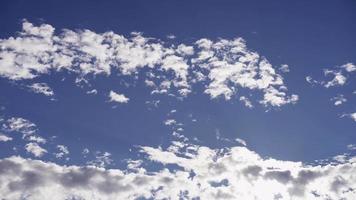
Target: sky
177, 99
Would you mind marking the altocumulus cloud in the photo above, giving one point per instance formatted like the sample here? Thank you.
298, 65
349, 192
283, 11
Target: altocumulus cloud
199, 173
223, 65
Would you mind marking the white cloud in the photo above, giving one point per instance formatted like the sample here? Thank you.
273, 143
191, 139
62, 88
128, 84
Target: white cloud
349, 67
101, 159
93, 91
202, 173
352, 116
339, 99
284, 68
119, 98
62, 151
231, 65
4, 138
223, 66
310, 80
20, 125
246, 101
351, 146
241, 141
85, 151
338, 79
36, 138
170, 122
35, 149
41, 88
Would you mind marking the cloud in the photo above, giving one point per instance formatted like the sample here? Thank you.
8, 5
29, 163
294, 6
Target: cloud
241, 141
102, 159
351, 146
246, 101
35, 149
199, 173
21, 125
338, 79
4, 138
352, 116
119, 98
222, 66
93, 91
62, 151
349, 67
36, 138
339, 99
41, 88
170, 122
339, 76
284, 68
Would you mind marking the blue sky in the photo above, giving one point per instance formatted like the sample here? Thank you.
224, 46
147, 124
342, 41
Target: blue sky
275, 78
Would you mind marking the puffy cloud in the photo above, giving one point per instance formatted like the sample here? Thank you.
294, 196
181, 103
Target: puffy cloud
20, 125
246, 101
4, 138
284, 68
338, 79
229, 65
35, 149
36, 138
338, 74
223, 66
116, 97
349, 67
62, 151
339, 99
200, 173
41, 88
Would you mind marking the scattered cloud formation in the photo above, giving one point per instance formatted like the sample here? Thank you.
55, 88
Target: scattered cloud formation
338, 77
35, 149
62, 151
41, 88
339, 99
200, 173
102, 159
223, 66
246, 101
119, 98
19, 125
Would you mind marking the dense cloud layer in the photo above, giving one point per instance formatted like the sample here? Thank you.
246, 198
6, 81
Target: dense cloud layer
223, 66
187, 172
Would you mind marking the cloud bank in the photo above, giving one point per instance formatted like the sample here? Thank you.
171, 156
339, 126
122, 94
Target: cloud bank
188, 172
